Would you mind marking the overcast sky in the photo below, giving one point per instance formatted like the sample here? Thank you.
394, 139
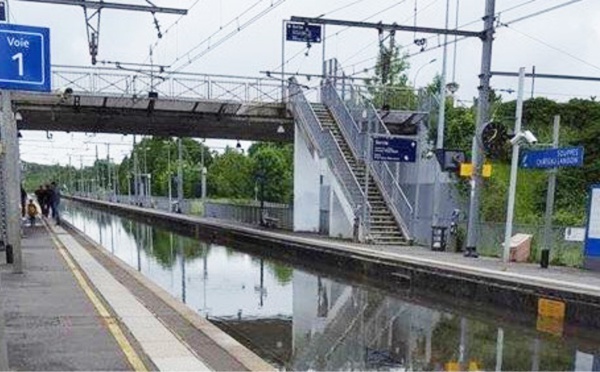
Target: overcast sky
564, 41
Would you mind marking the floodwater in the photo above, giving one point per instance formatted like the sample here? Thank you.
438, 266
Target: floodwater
302, 320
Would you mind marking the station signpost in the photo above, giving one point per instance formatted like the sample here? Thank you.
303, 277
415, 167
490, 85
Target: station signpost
393, 148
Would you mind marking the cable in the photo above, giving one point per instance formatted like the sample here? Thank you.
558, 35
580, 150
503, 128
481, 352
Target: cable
404, 21
176, 22
233, 20
502, 24
340, 8
339, 32
554, 48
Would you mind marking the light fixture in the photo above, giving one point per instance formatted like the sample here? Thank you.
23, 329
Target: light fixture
18, 116
280, 129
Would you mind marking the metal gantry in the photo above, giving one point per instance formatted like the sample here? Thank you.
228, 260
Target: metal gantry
92, 11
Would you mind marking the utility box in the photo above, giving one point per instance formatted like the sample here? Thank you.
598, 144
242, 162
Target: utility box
520, 247
438, 238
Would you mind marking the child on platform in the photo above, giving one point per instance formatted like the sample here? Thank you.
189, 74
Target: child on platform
32, 212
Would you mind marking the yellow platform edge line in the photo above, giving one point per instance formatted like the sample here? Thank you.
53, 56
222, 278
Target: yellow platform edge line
132, 356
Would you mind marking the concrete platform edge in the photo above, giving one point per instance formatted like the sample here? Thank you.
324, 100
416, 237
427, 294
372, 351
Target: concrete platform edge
237, 351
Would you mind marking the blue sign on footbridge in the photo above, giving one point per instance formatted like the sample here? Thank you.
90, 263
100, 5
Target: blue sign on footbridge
390, 148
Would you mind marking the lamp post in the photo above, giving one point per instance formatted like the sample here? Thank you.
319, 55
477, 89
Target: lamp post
179, 175
419, 70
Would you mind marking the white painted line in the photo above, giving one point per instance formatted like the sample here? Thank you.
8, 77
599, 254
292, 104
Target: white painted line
165, 350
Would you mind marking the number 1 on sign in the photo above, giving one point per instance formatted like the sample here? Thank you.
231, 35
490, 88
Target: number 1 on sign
19, 57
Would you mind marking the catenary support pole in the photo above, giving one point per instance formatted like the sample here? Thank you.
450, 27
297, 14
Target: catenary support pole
441, 124
551, 190
179, 175
12, 182
482, 118
514, 166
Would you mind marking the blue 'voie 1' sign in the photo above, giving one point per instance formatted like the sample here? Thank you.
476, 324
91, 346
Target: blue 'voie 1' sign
303, 32
394, 149
553, 158
24, 58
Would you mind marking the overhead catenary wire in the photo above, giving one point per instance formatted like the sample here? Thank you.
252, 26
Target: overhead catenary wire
221, 28
459, 39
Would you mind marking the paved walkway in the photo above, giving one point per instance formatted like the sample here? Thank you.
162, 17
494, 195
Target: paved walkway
75, 308
50, 322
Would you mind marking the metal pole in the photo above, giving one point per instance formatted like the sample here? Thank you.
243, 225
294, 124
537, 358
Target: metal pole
179, 175
551, 190
323, 38
136, 182
12, 184
4, 213
482, 118
108, 175
283, 60
169, 173
532, 81
441, 124
203, 172
146, 180
512, 188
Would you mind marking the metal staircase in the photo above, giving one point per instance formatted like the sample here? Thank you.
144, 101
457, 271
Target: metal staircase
383, 227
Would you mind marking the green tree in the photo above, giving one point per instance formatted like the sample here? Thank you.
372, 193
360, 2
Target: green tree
271, 165
389, 87
230, 176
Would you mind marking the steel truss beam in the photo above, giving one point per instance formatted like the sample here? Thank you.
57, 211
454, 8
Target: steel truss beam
92, 11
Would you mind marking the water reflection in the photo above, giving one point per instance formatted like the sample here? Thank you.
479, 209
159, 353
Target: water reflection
300, 320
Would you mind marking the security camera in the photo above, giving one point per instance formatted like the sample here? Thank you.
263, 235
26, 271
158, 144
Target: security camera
530, 138
64, 93
524, 136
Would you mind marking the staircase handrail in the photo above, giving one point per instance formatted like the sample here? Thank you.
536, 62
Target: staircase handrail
348, 119
324, 140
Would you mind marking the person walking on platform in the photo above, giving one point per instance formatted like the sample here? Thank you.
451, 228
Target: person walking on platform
32, 212
39, 196
45, 204
55, 201
23, 201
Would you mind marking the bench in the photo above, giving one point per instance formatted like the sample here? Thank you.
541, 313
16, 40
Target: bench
268, 221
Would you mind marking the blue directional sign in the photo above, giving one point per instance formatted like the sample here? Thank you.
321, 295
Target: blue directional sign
2, 11
396, 149
303, 32
24, 58
553, 158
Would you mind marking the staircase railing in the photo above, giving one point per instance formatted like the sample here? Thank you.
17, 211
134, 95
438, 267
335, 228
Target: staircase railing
324, 140
348, 113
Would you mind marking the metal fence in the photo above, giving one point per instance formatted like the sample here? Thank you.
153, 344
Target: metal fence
491, 240
117, 82
251, 213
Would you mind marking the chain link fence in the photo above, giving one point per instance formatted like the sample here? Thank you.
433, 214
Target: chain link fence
562, 252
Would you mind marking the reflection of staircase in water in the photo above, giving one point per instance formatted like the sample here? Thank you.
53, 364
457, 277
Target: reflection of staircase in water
341, 343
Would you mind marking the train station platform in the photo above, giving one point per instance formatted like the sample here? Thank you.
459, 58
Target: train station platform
75, 307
